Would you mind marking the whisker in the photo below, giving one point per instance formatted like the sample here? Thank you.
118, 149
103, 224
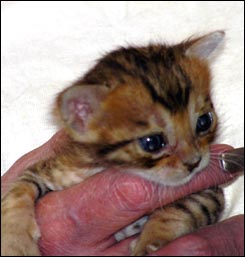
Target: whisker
236, 162
229, 155
218, 157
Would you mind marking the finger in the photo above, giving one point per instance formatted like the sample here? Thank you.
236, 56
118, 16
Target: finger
109, 201
223, 239
46, 150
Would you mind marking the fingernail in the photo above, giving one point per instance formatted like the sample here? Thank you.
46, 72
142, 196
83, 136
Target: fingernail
232, 161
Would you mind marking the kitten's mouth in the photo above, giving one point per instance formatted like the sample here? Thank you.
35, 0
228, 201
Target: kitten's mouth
192, 166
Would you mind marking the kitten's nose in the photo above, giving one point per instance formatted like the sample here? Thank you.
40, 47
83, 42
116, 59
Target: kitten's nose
192, 165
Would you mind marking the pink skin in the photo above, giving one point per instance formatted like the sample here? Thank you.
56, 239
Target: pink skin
81, 220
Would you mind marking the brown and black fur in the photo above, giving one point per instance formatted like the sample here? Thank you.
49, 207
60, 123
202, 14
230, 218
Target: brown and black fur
129, 94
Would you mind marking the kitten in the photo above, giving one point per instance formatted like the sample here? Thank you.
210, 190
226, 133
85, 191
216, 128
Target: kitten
143, 109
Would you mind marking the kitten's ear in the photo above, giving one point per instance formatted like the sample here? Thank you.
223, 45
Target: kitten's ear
78, 105
204, 46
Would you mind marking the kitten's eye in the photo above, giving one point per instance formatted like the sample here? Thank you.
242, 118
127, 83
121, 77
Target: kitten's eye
152, 143
204, 122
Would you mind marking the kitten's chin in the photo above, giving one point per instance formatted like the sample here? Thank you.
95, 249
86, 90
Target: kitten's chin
171, 176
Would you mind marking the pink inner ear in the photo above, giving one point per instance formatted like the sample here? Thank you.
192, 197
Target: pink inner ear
79, 111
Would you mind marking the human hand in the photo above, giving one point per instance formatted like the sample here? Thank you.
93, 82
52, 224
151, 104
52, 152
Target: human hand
82, 220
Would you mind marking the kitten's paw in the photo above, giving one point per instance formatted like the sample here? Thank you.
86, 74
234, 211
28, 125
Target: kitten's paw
139, 247
19, 237
19, 246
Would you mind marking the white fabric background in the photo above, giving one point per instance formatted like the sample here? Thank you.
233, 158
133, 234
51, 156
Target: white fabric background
47, 44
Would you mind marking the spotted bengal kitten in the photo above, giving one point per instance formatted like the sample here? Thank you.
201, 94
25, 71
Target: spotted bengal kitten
147, 109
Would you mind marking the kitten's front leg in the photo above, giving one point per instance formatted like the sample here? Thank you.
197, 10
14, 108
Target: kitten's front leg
19, 230
177, 219
162, 227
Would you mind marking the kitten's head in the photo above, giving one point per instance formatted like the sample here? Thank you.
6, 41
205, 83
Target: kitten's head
147, 108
